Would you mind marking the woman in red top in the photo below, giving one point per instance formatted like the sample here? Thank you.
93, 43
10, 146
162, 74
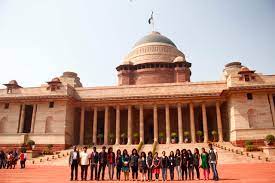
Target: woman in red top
111, 163
22, 158
156, 166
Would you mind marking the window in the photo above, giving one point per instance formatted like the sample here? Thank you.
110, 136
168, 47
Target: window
246, 78
6, 105
249, 96
51, 105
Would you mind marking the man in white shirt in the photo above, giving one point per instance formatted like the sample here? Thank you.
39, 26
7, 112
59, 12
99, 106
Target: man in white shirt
84, 162
73, 162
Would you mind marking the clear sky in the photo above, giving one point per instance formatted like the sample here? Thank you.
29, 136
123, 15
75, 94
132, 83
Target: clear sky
41, 39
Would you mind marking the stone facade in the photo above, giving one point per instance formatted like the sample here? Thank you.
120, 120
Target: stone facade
154, 99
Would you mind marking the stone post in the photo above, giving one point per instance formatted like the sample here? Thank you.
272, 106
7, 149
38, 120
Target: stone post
95, 126
167, 120
180, 124
155, 110
33, 118
129, 142
219, 121
192, 124
141, 124
22, 117
82, 127
117, 125
204, 122
106, 125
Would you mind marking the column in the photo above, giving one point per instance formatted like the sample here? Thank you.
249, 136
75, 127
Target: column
95, 126
155, 110
117, 125
129, 142
192, 124
141, 124
219, 121
82, 119
33, 117
204, 122
22, 117
106, 125
180, 124
272, 108
167, 120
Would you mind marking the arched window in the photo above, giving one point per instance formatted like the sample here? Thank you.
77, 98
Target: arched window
49, 127
252, 118
3, 125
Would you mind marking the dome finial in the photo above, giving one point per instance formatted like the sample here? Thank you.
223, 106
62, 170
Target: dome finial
152, 21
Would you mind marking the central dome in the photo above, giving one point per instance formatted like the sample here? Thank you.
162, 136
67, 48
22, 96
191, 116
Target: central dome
154, 37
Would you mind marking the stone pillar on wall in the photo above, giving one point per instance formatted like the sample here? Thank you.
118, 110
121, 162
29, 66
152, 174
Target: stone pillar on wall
117, 125
22, 117
141, 124
155, 111
204, 122
272, 108
219, 121
180, 124
82, 127
95, 126
167, 121
192, 123
106, 125
33, 118
129, 141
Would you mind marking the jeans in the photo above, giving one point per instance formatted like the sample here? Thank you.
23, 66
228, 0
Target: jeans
171, 173
118, 172
101, 168
178, 168
84, 169
111, 168
214, 170
74, 169
93, 169
164, 174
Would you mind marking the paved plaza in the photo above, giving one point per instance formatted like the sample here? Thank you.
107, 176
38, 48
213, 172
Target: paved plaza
235, 173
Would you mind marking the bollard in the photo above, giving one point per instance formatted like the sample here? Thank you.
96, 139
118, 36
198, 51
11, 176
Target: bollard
48, 158
259, 157
40, 160
52, 157
247, 154
252, 156
266, 158
241, 153
63, 155
237, 152
33, 162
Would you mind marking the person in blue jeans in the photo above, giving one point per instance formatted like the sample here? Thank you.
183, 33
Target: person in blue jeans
164, 165
213, 160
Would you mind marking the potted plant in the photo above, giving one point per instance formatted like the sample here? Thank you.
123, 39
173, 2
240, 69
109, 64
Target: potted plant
249, 145
111, 138
123, 137
199, 134
31, 144
214, 134
186, 136
161, 137
269, 140
174, 137
136, 135
100, 138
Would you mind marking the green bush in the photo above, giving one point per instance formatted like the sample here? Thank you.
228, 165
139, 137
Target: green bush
199, 133
186, 133
50, 146
23, 149
161, 135
250, 147
174, 135
248, 143
136, 135
30, 143
270, 139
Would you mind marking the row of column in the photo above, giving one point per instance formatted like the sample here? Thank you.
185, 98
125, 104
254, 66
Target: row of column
22, 119
155, 121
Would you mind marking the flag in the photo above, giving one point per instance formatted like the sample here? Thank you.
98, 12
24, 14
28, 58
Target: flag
151, 19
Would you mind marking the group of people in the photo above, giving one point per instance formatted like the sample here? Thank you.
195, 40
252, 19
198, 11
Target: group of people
184, 162
9, 159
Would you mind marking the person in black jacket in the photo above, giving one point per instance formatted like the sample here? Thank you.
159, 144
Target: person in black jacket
184, 159
118, 164
134, 164
94, 162
190, 165
73, 162
149, 163
196, 156
164, 166
171, 164
102, 159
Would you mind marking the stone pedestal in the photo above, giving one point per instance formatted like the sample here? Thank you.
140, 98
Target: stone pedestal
32, 154
269, 151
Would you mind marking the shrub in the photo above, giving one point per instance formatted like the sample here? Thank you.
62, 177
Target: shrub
30, 143
111, 136
270, 139
248, 143
136, 135
174, 135
50, 146
161, 135
199, 133
186, 134
250, 147
23, 149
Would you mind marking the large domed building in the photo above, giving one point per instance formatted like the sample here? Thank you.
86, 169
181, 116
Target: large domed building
154, 59
154, 101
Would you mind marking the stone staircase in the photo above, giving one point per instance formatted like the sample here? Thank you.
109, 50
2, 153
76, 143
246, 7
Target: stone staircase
228, 154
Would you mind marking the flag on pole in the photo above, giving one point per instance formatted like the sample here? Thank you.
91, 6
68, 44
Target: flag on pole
151, 19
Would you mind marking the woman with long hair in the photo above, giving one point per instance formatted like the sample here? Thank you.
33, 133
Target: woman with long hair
156, 166
190, 165
178, 164
134, 164
142, 166
111, 162
184, 159
149, 163
171, 164
125, 164
205, 164
118, 164
196, 157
